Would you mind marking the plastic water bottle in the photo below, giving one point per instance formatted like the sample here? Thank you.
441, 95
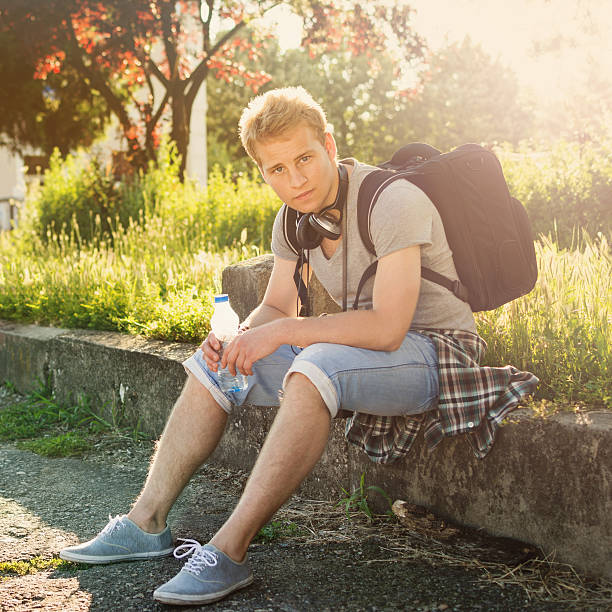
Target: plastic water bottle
224, 324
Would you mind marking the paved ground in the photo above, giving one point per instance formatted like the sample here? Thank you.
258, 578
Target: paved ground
327, 562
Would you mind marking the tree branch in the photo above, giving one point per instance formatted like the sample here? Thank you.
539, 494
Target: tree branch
95, 78
157, 72
171, 53
160, 109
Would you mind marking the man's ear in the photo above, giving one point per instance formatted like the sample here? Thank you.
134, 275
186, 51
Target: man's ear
330, 146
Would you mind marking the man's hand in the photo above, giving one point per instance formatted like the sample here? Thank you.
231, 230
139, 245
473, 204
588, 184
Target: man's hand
242, 352
211, 348
249, 346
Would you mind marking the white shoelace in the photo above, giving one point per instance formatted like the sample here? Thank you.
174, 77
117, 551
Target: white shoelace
113, 524
201, 557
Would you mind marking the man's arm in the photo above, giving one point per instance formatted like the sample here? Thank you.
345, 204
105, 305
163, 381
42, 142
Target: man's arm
396, 292
280, 298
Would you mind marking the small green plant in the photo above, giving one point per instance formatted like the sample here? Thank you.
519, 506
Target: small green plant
275, 530
9, 386
65, 445
357, 501
36, 564
44, 426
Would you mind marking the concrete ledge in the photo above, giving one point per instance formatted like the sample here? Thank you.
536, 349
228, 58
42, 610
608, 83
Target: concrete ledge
546, 481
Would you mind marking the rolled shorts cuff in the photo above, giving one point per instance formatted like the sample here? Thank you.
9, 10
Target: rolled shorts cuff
320, 380
192, 366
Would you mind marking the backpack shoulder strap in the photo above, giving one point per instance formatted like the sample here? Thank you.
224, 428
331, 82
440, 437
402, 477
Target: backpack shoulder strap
369, 192
290, 228
290, 233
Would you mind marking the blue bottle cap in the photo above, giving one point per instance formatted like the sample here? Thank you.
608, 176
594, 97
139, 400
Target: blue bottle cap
221, 298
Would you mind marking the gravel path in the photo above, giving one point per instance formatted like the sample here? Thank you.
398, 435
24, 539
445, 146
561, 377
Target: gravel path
46, 504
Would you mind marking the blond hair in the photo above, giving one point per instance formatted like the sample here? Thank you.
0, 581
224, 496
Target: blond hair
278, 110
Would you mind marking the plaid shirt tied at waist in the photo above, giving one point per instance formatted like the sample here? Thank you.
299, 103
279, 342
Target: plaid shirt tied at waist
473, 400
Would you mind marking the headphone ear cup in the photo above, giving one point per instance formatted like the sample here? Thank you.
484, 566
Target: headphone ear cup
307, 237
325, 225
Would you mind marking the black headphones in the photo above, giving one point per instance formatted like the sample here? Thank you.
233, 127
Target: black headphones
313, 227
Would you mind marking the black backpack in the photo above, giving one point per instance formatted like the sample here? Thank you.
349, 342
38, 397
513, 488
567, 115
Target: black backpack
486, 228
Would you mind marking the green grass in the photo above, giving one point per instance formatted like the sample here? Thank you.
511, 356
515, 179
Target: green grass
275, 530
39, 413
68, 444
562, 330
155, 277
358, 501
34, 565
49, 428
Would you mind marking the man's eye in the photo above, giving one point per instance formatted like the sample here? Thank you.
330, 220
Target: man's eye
305, 158
277, 170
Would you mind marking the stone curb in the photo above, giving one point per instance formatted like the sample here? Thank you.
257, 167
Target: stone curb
546, 481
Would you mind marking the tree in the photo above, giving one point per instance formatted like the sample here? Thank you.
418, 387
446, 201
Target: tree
59, 112
363, 97
467, 97
126, 51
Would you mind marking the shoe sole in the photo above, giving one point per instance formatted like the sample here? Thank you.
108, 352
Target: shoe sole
95, 560
178, 599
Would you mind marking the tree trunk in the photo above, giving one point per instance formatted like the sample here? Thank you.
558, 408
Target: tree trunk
180, 128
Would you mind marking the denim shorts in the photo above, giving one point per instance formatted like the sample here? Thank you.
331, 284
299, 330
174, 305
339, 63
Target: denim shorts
389, 383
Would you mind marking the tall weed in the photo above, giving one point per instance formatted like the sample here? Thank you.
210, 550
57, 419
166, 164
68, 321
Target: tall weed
131, 281
562, 330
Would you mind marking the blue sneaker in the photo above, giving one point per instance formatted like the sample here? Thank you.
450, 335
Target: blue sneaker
209, 575
120, 540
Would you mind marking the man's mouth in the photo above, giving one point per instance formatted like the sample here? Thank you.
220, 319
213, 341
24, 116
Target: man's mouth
304, 195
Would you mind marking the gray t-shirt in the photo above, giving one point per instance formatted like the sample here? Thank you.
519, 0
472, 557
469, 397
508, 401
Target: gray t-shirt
403, 216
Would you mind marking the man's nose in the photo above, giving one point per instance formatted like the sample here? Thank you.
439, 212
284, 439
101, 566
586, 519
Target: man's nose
296, 178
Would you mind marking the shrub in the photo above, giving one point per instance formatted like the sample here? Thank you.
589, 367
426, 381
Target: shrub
80, 200
76, 193
564, 190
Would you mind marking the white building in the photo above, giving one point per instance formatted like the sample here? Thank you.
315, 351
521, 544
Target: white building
12, 187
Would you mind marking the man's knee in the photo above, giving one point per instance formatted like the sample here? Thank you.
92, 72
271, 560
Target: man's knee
196, 394
300, 391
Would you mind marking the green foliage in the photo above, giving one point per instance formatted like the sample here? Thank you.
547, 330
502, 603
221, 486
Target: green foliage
157, 274
77, 194
81, 202
565, 189
562, 330
356, 502
34, 565
44, 426
154, 274
464, 96
40, 413
68, 444
467, 96
275, 530
359, 95
61, 111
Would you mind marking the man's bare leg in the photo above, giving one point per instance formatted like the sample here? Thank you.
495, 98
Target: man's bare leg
293, 446
192, 432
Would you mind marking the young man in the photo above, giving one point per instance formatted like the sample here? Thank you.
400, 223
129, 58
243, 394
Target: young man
378, 363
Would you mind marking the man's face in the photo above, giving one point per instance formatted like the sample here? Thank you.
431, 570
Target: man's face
301, 170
